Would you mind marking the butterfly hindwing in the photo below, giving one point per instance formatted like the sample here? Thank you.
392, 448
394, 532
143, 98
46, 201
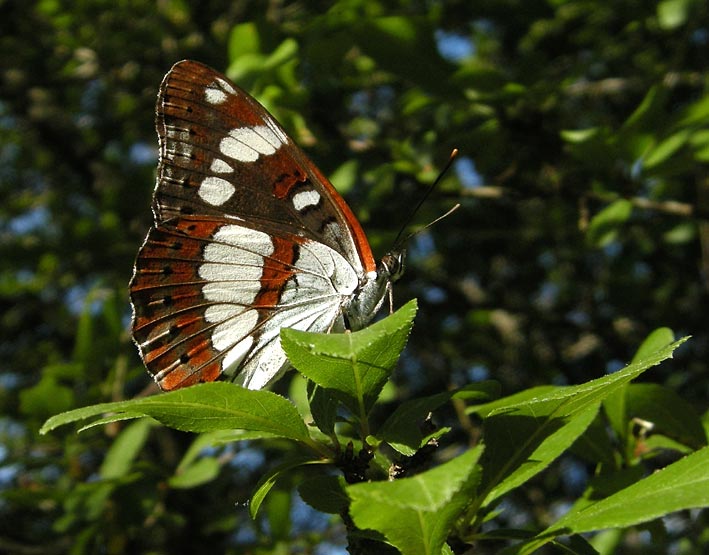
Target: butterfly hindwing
210, 297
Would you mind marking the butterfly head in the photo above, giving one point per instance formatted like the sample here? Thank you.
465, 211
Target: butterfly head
393, 264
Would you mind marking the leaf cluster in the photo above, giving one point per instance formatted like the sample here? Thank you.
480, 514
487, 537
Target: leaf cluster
387, 500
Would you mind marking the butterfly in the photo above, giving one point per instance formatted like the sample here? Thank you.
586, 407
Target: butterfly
248, 237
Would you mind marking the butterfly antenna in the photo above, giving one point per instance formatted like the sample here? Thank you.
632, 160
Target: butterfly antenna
399, 241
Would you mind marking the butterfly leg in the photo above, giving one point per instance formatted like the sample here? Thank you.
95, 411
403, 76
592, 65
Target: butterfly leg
390, 294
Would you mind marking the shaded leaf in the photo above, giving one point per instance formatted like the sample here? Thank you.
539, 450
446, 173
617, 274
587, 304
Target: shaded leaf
323, 407
45, 398
124, 449
269, 479
668, 147
325, 493
669, 413
195, 474
402, 430
604, 226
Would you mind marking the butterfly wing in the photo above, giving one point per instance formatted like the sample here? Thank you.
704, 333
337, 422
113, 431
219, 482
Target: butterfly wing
222, 153
249, 237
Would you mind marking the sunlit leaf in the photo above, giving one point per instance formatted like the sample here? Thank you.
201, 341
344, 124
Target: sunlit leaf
524, 434
354, 366
202, 408
416, 514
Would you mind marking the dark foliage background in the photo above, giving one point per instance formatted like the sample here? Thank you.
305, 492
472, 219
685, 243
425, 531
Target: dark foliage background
584, 144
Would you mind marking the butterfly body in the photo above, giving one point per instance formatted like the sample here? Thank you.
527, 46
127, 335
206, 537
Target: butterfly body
249, 237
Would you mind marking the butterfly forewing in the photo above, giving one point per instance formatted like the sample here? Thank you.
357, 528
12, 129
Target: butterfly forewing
222, 153
249, 237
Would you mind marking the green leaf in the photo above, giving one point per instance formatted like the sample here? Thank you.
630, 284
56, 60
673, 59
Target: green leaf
344, 177
285, 52
522, 443
202, 408
695, 113
665, 149
199, 472
323, 408
679, 486
673, 13
700, 145
195, 469
402, 430
269, 479
278, 512
244, 39
416, 514
656, 340
45, 398
353, 366
325, 493
593, 146
607, 541
245, 54
603, 227
670, 415
391, 40
615, 405
120, 456
595, 445
526, 432
532, 394
579, 135
648, 114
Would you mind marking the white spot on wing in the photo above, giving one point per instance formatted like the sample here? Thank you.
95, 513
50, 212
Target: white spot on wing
225, 85
220, 166
231, 147
272, 134
246, 144
234, 330
270, 360
236, 354
246, 238
220, 312
323, 276
333, 231
269, 363
237, 287
214, 96
233, 267
218, 91
215, 190
305, 198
